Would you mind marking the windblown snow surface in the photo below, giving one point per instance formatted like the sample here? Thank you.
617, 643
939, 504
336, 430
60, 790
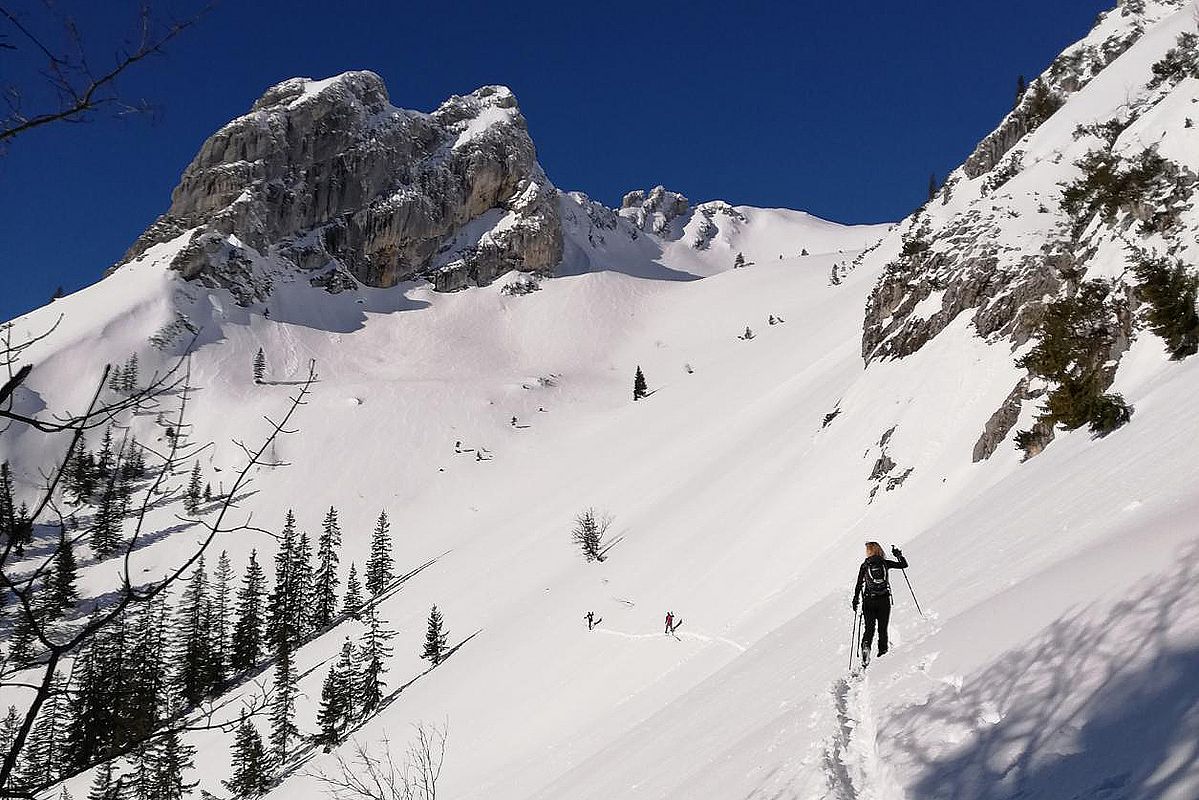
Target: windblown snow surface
1058, 654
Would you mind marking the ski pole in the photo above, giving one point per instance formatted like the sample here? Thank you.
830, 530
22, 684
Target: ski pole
913, 591
854, 638
910, 589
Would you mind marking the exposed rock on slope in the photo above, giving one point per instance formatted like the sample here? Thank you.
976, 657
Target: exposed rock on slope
1090, 178
330, 177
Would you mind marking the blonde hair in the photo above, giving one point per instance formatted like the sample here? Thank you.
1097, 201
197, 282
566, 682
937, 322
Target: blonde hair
874, 549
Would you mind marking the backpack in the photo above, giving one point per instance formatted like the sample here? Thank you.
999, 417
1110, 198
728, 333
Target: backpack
874, 580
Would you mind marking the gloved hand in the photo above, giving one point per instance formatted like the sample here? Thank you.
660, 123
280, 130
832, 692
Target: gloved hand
895, 551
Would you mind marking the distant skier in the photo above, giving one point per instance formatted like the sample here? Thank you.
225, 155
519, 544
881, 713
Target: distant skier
590, 617
670, 622
875, 590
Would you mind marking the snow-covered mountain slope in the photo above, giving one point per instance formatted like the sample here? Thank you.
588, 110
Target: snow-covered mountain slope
1058, 654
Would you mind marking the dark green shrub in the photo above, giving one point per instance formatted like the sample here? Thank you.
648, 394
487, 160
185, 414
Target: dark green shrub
1170, 290
1077, 335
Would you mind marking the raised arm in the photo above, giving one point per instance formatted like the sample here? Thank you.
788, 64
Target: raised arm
899, 563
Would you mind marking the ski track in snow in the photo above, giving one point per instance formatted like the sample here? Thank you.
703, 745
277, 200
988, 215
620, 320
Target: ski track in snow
699, 637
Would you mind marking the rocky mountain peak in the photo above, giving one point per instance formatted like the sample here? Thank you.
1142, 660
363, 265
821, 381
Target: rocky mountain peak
326, 178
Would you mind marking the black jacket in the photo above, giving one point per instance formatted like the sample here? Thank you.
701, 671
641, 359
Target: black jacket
902, 563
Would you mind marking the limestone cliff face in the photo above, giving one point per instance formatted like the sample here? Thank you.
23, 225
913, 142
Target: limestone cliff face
329, 177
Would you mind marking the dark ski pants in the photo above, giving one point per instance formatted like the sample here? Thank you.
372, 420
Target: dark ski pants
876, 609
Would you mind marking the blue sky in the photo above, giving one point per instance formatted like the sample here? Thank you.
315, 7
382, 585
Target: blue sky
838, 108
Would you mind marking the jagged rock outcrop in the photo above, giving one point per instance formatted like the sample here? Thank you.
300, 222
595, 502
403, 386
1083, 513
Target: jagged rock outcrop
656, 211
329, 177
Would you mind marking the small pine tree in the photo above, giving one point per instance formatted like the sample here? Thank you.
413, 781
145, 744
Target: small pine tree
337, 699
379, 565
932, 186
116, 379
324, 605
435, 639
194, 493
640, 389
106, 524
352, 605
739, 261
129, 374
749, 334
63, 591
104, 459
1021, 88
58, 294
371, 663
247, 629
259, 366
251, 772
302, 577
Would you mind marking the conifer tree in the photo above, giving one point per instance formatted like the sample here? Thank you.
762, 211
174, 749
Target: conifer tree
640, 389
21, 640
106, 524
739, 261
191, 498
435, 638
105, 785
129, 374
932, 186
247, 630
324, 605
8, 729
8, 508
63, 591
194, 648
371, 664
352, 606
337, 699
171, 758
81, 479
44, 754
259, 366
134, 465
104, 460
251, 773
281, 610
116, 379
283, 703
222, 607
379, 565
303, 599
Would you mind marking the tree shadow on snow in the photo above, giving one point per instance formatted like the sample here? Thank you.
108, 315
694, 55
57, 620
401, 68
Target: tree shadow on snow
1096, 709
